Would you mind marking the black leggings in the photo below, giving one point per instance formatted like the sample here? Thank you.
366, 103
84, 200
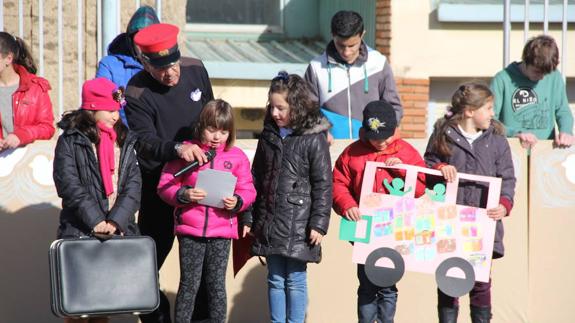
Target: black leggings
202, 259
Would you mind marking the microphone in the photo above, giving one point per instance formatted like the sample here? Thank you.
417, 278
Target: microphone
210, 154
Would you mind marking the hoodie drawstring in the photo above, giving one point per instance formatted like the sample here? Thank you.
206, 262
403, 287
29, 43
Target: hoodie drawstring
365, 80
329, 77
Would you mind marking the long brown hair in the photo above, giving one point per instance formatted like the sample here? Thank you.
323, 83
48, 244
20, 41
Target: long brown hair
304, 111
14, 45
468, 96
219, 115
84, 121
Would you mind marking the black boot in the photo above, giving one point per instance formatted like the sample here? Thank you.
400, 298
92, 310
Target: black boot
448, 314
480, 314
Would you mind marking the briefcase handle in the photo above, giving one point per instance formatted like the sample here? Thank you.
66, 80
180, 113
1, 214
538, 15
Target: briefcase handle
102, 236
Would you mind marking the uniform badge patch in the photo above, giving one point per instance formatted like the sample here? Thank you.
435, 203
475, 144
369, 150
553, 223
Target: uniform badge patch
196, 95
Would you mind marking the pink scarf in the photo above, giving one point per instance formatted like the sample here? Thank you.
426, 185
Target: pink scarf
106, 156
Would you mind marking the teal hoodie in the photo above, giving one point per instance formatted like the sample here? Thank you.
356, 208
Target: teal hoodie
523, 105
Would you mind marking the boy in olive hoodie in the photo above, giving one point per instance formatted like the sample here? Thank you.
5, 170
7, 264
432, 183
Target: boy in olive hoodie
530, 96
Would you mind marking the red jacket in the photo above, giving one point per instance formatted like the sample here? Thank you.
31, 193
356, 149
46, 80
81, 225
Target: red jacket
32, 108
349, 168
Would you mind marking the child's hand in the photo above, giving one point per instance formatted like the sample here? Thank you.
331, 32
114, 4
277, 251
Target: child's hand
194, 194
105, 227
330, 139
315, 237
246, 230
564, 140
352, 214
497, 213
393, 161
230, 202
101, 227
449, 173
11, 141
527, 140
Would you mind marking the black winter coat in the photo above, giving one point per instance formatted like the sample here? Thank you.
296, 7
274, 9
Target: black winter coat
79, 184
293, 180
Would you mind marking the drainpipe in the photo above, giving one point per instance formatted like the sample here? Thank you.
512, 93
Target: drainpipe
110, 23
506, 31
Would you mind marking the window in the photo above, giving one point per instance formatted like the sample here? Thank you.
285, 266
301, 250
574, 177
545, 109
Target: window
234, 15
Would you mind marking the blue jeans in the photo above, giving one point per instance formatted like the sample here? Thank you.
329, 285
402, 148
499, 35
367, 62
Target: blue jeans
287, 289
374, 303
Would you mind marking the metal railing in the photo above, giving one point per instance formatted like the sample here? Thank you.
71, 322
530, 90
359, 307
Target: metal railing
507, 29
104, 36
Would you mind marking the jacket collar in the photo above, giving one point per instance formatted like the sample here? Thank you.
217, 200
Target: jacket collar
457, 138
129, 61
322, 125
25, 77
333, 56
393, 148
205, 147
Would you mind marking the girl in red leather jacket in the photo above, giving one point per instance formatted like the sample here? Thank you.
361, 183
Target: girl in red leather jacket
25, 108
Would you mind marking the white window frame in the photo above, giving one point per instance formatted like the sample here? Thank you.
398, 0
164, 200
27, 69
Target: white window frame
239, 28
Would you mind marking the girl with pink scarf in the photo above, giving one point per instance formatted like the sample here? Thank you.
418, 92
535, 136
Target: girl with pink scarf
95, 168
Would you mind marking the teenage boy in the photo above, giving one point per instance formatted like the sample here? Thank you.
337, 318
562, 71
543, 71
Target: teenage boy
530, 96
349, 75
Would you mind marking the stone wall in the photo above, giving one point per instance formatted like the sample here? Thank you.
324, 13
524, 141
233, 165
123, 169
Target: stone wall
172, 12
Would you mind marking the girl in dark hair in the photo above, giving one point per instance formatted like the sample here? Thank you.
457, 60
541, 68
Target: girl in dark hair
469, 140
95, 169
292, 175
25, 107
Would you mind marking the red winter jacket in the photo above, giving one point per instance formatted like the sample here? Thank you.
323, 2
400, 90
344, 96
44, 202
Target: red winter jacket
32, 108
349, 168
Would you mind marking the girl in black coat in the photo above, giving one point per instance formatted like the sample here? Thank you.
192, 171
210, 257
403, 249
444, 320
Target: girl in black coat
95, 168
292, 175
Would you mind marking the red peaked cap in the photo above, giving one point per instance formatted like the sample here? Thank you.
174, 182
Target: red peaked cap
159, 44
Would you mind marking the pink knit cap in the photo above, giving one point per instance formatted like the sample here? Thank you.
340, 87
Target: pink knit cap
98, 94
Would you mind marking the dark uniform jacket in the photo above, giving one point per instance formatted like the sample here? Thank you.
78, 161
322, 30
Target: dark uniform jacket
293, 180
163, 116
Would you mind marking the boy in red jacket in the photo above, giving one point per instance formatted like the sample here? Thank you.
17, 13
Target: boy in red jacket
380, 142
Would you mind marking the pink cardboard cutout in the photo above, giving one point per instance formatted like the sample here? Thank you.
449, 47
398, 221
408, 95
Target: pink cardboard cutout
428, 229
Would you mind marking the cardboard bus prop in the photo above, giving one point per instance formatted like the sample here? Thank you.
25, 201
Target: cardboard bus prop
428, 234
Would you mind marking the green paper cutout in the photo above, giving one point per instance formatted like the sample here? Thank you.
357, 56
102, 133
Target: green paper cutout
396, 187
348, 228
438, 193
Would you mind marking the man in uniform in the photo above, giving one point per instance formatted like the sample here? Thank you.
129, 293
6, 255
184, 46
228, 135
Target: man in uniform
163, 102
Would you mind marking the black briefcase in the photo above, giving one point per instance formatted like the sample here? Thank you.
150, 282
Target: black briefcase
93, 276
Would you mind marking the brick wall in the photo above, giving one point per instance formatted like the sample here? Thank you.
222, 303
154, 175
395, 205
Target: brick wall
414, 94
383, 27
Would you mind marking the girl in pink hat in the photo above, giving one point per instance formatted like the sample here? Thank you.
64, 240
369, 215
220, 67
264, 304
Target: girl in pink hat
95, 168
